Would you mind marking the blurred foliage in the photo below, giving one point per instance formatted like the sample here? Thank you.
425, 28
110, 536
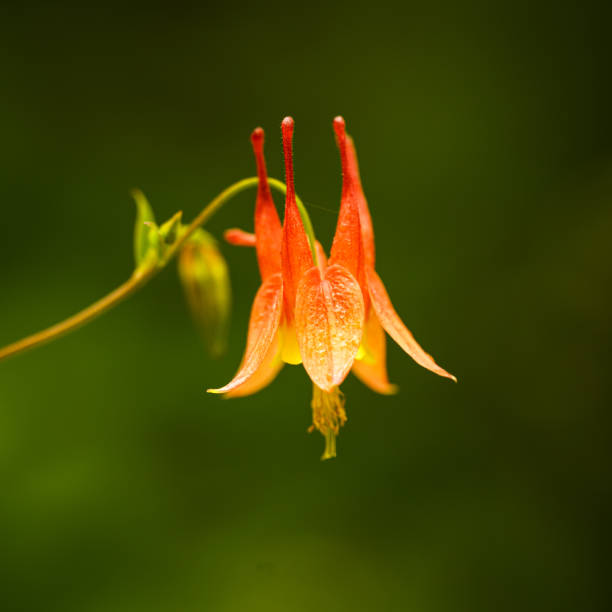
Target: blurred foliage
485, 145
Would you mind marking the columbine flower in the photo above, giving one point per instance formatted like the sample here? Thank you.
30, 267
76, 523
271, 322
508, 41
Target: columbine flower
327, 316
302, 312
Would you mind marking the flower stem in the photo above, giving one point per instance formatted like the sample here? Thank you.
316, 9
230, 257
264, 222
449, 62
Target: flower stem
135, 282
143, 274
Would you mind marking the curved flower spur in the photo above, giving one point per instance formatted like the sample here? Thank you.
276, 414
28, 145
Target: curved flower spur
328, 315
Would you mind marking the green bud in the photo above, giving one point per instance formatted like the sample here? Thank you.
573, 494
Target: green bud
145, 230
205, 279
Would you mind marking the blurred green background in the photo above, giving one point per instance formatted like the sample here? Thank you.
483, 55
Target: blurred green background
485, 143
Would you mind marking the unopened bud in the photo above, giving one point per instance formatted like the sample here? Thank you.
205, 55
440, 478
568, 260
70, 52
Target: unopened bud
205, 279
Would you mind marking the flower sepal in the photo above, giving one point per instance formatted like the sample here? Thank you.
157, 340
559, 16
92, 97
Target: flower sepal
146, 234
152, 242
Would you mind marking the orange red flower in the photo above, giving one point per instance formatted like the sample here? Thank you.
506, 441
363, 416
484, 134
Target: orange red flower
328, 315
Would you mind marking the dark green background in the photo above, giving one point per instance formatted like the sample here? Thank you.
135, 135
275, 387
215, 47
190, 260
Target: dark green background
485, 143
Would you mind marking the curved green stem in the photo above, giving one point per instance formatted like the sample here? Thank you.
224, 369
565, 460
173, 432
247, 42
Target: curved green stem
140, 278
143, 274
228, 194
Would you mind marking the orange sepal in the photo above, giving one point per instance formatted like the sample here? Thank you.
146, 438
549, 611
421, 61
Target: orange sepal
263, 328
394, 326
264, 375
372, 368
238, 237
329, 316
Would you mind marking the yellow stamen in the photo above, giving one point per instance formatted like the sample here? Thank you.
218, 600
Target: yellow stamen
328, 415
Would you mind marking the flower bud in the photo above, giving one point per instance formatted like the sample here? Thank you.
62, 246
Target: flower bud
205, 279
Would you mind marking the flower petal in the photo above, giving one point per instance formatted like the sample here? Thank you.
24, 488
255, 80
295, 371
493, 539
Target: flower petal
372, 369
263, 328
346, 248
394, 326
264, 375
329, 323
267, 223
296, 255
